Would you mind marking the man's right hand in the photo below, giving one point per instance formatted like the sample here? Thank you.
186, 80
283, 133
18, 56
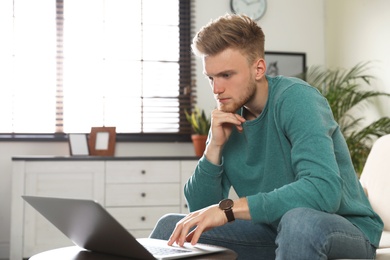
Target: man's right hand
222, 124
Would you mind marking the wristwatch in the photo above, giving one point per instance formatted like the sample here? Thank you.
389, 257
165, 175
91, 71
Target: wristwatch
227, 205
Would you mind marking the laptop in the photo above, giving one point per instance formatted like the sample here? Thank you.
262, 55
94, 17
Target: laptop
91, 227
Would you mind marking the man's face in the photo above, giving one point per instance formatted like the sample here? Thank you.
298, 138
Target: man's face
231, 78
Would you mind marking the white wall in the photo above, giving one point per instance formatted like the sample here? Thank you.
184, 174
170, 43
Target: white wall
289, 26
356, 31
296, 26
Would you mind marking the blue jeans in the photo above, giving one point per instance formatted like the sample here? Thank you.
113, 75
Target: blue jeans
301, 234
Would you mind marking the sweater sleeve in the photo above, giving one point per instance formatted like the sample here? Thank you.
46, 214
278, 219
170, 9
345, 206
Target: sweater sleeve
206, 186
304, 119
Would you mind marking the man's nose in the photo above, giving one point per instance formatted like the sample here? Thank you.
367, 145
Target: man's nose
217, 87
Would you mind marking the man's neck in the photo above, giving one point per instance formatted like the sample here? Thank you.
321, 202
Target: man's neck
254, 108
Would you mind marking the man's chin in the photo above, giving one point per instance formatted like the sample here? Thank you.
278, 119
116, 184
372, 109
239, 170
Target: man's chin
226, 109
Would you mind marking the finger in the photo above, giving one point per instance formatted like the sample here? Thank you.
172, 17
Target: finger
178, 230
218, 113
185, 229
190, 235
172, 239
240, 118
196, 235
175, 234
239, 128
182, 229
226, 118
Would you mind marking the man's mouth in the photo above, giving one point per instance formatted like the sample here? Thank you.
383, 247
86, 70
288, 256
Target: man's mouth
223, 100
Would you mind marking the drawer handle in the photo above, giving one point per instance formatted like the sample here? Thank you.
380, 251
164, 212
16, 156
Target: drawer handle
143, 194
143, 172
143, 218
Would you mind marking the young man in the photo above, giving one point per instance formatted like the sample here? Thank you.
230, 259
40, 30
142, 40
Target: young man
274, 140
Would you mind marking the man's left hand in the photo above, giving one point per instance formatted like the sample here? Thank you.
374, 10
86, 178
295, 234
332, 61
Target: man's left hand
202, 220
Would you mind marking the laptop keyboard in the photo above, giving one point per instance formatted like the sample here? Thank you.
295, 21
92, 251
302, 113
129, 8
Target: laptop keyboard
155, 250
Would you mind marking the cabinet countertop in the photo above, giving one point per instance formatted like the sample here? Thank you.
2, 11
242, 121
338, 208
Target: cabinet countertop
101, 158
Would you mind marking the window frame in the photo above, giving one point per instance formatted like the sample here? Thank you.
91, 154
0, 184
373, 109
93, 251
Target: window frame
120, 137
186, 87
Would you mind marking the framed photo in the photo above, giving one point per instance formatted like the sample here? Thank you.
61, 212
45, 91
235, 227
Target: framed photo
288, 64
102, 141
78, 144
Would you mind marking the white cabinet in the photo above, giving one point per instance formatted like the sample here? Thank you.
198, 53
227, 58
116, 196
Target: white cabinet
137, 192
187, 168
30, 232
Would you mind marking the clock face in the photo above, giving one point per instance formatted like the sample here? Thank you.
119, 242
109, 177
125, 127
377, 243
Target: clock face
226, 204
255, 9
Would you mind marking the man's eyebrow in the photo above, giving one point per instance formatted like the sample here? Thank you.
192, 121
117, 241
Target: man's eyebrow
219, 73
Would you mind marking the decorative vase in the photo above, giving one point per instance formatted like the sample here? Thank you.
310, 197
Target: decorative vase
199, 142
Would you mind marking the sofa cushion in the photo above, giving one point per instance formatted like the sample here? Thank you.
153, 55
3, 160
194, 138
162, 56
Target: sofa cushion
375, 178
385, 240
383, 254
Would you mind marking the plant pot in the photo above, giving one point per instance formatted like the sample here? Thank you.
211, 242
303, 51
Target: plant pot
199, 142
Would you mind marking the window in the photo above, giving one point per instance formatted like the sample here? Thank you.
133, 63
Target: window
74, 64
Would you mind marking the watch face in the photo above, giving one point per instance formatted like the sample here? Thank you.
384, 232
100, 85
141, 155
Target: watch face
226, 204
255, 9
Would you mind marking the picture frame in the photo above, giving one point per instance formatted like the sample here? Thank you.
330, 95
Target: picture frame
102, 141
290, 64
78, 145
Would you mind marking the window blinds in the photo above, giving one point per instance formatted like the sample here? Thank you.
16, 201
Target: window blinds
103, 62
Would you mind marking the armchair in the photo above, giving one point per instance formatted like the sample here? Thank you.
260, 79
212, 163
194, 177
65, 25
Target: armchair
375, 180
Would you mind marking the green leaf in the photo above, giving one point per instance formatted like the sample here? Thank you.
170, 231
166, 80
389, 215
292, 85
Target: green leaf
347, 91
199, 122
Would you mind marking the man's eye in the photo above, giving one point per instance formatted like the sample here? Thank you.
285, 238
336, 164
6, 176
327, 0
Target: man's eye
226, 75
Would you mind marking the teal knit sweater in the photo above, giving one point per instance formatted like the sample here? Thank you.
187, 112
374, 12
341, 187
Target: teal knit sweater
292, 155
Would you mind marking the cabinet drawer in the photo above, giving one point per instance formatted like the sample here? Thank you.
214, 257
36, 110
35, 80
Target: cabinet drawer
142, 171
140, 233
137, 218
142, 194
63, 167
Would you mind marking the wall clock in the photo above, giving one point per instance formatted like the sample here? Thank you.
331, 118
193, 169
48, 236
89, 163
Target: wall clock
255, 9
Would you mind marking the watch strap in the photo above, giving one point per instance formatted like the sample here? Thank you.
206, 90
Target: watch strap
229, 214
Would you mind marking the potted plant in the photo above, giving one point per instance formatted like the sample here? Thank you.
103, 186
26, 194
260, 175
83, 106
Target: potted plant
347, 92
200, 125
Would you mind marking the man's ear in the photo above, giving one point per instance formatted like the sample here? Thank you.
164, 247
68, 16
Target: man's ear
261, 68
